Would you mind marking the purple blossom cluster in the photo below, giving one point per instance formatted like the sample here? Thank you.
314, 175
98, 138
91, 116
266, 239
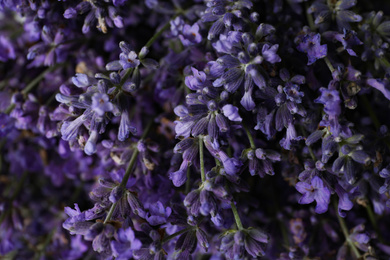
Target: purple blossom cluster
203, 129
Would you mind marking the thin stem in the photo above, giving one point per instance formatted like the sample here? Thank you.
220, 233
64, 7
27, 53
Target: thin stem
236, 216
110, 212
312, 155
9, 108
202, 173
250, 137
166, 239
35, 81
310, 18
158, 34
134, 157
346, 234
329, 64
125, 77
373, 221
32, 85
132, 162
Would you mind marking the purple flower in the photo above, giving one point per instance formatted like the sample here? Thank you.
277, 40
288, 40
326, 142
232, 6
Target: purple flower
381, 85
6, 124
177, 26
123, 247
331, 101
197, 81
190, 35
7, 51
338, 10
269, 53
101, 104
345, 203
348, 39
231, 112
158, 214
314, 192
311, 45
129, 60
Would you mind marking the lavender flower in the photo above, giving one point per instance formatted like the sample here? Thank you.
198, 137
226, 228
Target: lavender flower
310, 43
315, 191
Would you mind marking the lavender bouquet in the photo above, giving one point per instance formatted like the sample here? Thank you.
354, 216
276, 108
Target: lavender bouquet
203, 129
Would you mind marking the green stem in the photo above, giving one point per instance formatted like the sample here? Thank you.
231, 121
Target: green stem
250, 137
32, 85
346, 234
309, 18
158, 34
166, 239
329, 64
110, 212
132, 162
35, 81
236, 216
125, 77
202, 173
373, 221
312, 155
9, 108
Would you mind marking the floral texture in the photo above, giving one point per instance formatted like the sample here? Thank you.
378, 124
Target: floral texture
199, 129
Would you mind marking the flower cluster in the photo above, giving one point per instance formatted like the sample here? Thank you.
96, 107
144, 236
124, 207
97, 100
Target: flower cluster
204, 129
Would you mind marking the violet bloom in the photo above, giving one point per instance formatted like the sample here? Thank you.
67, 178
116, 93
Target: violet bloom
345, 203
331, 9
331, 101
101, 104
190, 35
6, 124
6, 49
127, 58
127, 242
381, 85
348, 39
158, 214
177, 26
231, 112
197, 81
311, 45
316, 191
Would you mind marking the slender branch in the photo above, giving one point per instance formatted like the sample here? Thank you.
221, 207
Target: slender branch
110, 212
33, 84
329, 64
309, 18
202, 172
158, 34
373, 221
250, 137
166, 239
132, 162
236, 216
346, 233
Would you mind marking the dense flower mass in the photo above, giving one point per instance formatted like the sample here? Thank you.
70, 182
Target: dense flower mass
201, 129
